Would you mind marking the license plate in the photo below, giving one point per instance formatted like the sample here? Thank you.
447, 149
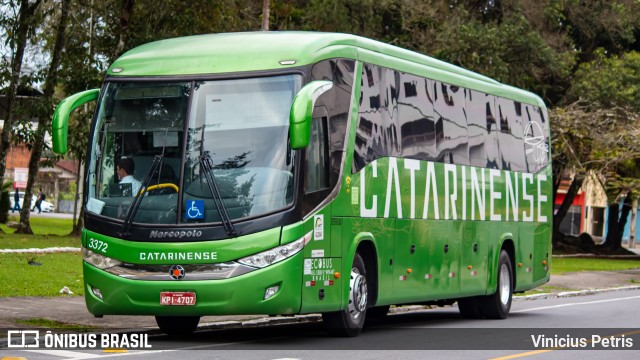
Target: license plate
177, 298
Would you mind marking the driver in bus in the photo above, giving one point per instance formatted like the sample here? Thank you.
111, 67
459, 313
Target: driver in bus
124, 169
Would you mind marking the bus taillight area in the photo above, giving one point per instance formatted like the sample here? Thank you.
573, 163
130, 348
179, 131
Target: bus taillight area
272, 290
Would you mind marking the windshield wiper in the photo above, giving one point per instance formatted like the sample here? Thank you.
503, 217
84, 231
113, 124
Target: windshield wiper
206, 167
137, 200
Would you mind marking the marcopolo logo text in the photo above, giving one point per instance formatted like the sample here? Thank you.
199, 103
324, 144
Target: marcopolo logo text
179, 234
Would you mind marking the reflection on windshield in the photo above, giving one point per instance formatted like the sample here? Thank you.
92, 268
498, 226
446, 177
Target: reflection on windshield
240, 125
137, 122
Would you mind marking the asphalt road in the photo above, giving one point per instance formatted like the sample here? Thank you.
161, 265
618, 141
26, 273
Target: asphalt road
438, 333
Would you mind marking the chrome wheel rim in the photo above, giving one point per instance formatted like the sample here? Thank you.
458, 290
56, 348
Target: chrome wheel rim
357, 294
505, 284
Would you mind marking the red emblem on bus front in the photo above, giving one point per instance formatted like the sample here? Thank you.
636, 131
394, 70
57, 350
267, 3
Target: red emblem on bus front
176, 272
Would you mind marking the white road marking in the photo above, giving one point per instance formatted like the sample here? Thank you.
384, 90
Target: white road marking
576, 304
64, 353
78, 355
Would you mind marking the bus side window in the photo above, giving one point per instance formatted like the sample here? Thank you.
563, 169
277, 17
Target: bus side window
317, 157
316, 172
335, 106
452, 138
416, 118
510, 135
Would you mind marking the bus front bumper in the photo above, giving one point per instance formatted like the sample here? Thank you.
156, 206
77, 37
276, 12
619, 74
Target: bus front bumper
244, 294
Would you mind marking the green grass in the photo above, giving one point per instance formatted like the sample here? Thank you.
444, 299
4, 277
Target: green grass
49, 232
564, 265
16, 241
43, 226
53, 324
56, 271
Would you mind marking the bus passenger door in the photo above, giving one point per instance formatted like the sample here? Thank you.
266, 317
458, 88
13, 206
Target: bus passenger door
321, 290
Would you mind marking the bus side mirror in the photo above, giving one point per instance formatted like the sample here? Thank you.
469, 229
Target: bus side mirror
302, 112
60, 125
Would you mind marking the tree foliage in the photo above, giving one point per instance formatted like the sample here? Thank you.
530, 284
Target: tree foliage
579, 56
609, 80
596, 24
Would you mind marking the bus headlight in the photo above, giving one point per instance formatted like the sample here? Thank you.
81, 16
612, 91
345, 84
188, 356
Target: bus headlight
277, 254
100, 261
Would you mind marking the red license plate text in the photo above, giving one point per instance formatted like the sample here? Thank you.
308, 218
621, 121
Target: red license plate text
177, 298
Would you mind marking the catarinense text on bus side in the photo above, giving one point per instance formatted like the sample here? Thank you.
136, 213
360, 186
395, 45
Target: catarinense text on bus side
427, 190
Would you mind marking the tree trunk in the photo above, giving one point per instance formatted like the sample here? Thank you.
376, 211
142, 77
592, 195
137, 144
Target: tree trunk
622, 223
557, 179
125, 15
44, 120
24, 22
632, 227
613, 232
615, 226
75, 198
265, 15
575, 186
77, 228
79, 224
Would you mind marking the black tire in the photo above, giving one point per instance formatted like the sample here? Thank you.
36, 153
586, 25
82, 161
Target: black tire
470, 307
349, 322
497, 305
177, 325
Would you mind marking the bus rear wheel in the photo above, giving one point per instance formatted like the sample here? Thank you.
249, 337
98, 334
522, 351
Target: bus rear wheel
177, 325
349, 322
497, 305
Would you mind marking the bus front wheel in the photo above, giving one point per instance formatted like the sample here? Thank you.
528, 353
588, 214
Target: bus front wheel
349, 322
497, 306
177, 325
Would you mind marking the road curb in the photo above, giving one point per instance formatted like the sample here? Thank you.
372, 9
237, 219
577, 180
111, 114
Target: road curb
566, 294
598, 256
41, 250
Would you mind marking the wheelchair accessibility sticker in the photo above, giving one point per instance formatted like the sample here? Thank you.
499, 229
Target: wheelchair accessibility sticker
194, 209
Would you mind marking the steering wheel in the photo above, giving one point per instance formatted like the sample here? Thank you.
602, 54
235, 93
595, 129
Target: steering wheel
161, 186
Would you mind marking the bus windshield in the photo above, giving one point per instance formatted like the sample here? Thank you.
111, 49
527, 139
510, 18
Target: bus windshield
216, 147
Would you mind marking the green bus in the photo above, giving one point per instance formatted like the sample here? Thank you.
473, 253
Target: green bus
298, 172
